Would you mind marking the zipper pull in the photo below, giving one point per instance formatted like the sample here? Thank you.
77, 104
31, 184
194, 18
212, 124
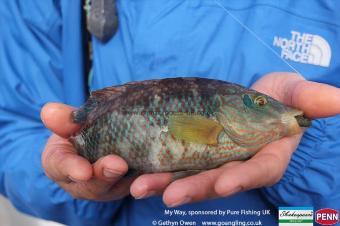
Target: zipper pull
102, 20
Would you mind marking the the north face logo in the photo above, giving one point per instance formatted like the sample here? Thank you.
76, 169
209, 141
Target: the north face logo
304, 48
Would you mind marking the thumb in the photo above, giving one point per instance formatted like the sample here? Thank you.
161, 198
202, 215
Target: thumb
58, 118
316, 100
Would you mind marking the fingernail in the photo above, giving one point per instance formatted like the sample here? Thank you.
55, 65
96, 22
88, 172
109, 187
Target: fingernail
109, 173
146, 194
183, 201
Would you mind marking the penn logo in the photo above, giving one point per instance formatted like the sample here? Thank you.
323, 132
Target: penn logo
327, 216
304, 48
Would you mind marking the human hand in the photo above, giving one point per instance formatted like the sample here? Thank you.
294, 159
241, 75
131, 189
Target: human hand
100, 181
266, 167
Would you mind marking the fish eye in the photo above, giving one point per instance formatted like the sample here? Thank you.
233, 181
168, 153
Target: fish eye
260, 100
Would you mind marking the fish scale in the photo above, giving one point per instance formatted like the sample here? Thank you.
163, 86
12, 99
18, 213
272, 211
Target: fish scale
180, 124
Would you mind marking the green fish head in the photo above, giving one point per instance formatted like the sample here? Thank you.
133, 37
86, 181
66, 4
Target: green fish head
255, 119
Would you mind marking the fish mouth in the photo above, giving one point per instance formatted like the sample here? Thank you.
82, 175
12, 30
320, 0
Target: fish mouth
295, 121
303, 121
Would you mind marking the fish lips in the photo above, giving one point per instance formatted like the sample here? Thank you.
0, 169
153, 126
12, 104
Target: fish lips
303, 121
295, 121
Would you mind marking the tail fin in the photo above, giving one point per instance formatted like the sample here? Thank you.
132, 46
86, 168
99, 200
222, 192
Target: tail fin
80, 115
96, 98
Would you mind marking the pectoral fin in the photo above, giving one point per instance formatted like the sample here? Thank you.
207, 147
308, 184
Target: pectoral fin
194, 128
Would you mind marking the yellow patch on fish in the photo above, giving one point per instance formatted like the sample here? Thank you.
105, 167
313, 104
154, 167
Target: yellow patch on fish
194, 128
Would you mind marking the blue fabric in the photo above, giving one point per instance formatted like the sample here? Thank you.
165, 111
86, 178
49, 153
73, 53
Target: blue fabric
198, 38
37, 66
41, 61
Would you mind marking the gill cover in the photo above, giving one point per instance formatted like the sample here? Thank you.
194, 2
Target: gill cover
251, 125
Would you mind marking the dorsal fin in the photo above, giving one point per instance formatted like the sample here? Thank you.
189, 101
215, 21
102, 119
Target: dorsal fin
89, 111
107, 93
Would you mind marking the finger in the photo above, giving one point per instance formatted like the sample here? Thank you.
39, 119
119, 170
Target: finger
119, 190
194, 188
316, 100
110, 168
62, 164
89, 189
108, 171
57, 117
150, 184
106, 183
264, 169
190, 189
278, 85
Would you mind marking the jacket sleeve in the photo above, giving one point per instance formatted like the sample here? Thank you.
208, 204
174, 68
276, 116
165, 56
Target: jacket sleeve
312, 177
32, 72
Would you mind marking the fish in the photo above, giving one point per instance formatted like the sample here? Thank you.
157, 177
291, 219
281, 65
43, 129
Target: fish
181, 124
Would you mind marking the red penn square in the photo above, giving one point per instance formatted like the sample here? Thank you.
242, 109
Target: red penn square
327, 216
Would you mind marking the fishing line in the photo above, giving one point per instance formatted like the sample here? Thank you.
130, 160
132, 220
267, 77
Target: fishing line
256, 36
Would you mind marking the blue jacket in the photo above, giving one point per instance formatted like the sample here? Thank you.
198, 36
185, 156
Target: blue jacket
41, 60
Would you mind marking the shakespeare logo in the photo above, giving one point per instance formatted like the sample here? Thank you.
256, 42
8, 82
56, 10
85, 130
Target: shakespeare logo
295, 216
